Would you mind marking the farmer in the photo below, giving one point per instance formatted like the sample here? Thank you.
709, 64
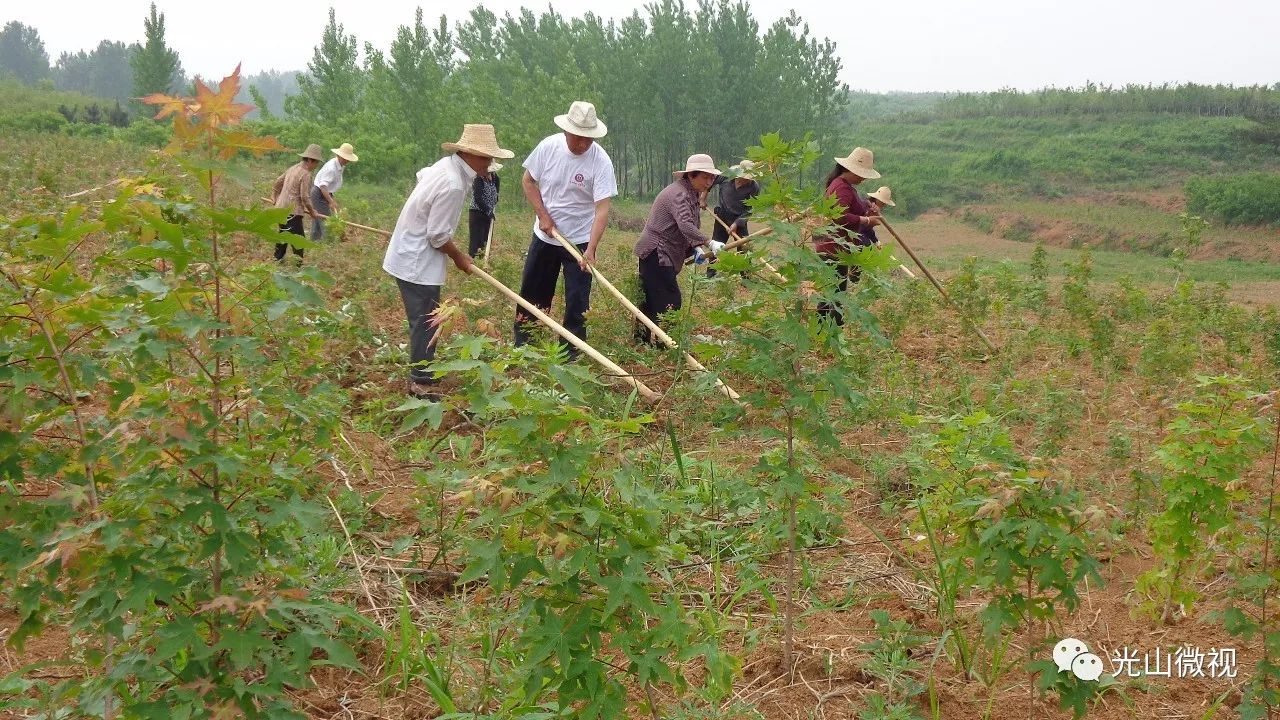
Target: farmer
569, 181
670, 235
856, 217
423, 238
484, 203
327, 182
878, 201
732, 208
293, 190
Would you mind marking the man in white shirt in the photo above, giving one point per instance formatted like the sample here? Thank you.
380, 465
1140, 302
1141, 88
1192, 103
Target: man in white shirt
423, 238
569, 181
327, 182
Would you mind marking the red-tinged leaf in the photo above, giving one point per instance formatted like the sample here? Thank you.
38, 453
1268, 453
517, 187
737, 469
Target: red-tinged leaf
228, 603
232, 141
169, 104
220, 108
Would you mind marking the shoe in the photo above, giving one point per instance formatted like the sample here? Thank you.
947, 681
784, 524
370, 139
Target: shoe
424, 391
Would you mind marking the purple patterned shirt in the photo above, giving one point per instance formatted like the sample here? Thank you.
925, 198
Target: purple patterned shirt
673, 226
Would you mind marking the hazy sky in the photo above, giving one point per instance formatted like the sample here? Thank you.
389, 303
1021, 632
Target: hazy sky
908, 45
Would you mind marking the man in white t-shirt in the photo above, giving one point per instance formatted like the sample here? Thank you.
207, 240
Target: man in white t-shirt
569, 181
327, 182
423, 239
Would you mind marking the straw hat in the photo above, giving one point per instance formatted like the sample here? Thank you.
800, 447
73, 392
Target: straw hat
478, 140
884, 195
494, 166
700, 162
346, 152
581, 120
860, 163
313, 152
744, 168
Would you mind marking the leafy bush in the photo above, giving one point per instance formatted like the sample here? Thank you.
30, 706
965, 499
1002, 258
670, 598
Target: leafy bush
41, 120
1252, 199
146, 133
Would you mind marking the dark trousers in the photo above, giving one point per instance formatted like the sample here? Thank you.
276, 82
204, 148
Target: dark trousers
322, 206
478, 223
292, 225
659, 293
848, 274
720, 234
420, 301
542, 268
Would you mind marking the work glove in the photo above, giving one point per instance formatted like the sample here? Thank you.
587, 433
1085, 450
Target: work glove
716, 246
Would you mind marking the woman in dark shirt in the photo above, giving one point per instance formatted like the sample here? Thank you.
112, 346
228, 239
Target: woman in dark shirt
732, 208
484, 203
670, 235
854, 224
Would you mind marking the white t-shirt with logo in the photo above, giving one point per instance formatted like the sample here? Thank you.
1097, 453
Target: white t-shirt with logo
571, 185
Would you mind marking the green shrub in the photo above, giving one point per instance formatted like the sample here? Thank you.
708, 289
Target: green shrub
43, 120
145, 132
1252, 199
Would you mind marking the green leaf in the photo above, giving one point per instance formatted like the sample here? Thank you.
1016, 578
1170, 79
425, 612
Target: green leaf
421, 410
300, 292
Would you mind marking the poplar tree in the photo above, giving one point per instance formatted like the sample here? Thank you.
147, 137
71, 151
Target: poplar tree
331, 89
156, 68
22, 53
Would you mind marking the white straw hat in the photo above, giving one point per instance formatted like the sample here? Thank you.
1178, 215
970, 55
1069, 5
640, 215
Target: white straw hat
744, 169
860, 162
346, 152
884, 195
581, 120
701, 162
478, 140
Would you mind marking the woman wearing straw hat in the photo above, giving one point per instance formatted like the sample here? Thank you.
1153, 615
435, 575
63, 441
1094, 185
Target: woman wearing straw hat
569, 181
484, 203
670, 235
856, 216
732, 208
423, 239
878, 201
327, 182
293, 190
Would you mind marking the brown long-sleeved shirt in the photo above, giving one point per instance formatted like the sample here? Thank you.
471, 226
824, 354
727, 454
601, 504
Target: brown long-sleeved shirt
672, 229
293, 190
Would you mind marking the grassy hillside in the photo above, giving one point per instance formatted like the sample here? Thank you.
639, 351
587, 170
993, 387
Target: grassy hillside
954, 162
18, 99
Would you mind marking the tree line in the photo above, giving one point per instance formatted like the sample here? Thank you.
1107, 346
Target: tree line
1259, 102
115, 70
668, 81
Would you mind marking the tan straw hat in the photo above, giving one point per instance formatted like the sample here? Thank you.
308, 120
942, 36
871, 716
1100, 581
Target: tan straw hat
346, 152
884, 195
860, 162
581, 120
701, 162
478, 140
744, 169
313, 152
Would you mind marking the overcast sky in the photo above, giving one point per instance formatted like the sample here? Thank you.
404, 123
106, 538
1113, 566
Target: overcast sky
913, 45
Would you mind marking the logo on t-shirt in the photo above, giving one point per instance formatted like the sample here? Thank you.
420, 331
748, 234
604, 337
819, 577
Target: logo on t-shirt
579, 178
